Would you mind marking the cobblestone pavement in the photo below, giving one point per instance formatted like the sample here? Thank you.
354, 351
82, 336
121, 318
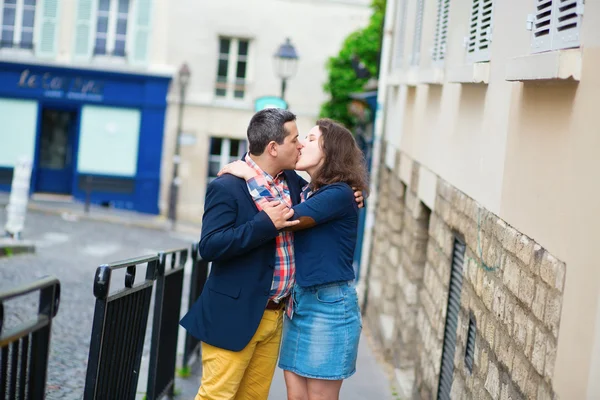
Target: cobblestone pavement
71, 250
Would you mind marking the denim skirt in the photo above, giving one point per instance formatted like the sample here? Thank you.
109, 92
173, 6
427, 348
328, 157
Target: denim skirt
320, 340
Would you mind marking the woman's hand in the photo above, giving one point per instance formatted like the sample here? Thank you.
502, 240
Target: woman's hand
238, 168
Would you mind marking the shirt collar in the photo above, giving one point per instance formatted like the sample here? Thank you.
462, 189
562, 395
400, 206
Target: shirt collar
260, 171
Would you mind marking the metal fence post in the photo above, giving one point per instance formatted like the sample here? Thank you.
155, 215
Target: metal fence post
165, 326
24, 350
197, 281
118, 331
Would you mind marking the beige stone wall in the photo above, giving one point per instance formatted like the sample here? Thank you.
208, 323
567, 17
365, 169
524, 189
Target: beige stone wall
511, 285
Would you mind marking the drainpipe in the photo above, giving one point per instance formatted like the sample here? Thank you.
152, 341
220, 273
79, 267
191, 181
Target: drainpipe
386, 47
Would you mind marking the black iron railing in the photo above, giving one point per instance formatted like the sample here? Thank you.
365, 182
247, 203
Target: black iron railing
165, 326
197, 281
24, 349
118, 330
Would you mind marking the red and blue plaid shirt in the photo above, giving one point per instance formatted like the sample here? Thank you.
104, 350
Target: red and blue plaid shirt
264, 187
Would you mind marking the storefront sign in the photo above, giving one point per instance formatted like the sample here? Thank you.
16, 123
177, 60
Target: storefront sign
269, 102
58, 86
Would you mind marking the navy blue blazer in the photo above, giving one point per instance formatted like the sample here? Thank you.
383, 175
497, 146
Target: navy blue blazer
240, 242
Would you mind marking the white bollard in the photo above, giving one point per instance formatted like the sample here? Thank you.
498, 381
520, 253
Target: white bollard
19, 196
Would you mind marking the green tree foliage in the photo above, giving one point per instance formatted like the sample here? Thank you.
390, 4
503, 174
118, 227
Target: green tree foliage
365, 44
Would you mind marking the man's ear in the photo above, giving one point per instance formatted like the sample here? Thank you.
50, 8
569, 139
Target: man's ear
272, 148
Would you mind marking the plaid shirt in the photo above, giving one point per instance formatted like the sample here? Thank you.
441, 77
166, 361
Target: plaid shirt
264, 187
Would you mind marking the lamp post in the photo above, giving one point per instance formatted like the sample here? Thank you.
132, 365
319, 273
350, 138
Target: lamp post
285, 62
183, 79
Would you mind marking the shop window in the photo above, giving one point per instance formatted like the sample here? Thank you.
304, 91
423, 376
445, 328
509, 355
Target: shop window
232, 68
17, 21
222, 152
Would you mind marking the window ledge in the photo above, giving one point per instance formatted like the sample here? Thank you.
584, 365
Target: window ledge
554, 65
477, 73
432, 76
407, 77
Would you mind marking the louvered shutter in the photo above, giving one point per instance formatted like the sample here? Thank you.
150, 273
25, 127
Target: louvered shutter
85, 28
400, 29
542, 26
438, 53
47, 29
480, 31
453, 308
566, 23
556, 25
416, 50
141, 32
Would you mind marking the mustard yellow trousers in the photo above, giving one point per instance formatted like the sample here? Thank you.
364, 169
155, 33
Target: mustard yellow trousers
245, 374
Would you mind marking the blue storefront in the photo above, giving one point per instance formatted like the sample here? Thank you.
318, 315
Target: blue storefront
84, 130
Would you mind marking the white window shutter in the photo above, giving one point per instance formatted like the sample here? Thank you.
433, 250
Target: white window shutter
566, 25
416, 49
480, 31
85, 28
140, 40
542, 26
399, 39
438, 53
47, 29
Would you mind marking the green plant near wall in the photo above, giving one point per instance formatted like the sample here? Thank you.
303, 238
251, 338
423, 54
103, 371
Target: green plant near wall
342, 81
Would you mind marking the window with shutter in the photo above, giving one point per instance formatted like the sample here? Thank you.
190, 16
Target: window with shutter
399, 39
85, 26
47, 29
438, 53
480, 31
555, 25
542, 26
416, 49
452, 310
568, 15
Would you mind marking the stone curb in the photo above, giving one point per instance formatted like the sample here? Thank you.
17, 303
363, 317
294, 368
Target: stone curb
9, 247
157, 223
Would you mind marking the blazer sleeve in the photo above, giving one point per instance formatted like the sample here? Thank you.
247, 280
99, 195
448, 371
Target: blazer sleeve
333, 203
220, 238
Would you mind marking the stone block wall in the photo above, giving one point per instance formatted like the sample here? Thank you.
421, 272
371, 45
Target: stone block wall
511, 286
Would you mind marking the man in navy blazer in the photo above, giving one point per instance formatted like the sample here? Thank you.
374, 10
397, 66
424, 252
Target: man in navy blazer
239, 315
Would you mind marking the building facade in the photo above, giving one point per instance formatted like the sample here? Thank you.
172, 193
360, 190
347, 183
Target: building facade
482, 279
229, 47
83, 96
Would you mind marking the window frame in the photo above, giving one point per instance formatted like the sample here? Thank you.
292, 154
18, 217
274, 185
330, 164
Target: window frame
225, 156
232, 83
18, 25
111, 30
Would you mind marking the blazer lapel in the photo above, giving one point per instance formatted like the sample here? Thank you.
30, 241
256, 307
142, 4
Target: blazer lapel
293, 185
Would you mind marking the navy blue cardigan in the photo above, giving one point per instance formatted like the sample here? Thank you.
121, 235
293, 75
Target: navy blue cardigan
324, 253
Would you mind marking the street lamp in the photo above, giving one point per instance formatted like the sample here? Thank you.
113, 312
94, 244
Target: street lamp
183, 79
285, 62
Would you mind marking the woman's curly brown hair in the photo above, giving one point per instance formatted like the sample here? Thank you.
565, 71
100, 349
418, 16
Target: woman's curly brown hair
344, 161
